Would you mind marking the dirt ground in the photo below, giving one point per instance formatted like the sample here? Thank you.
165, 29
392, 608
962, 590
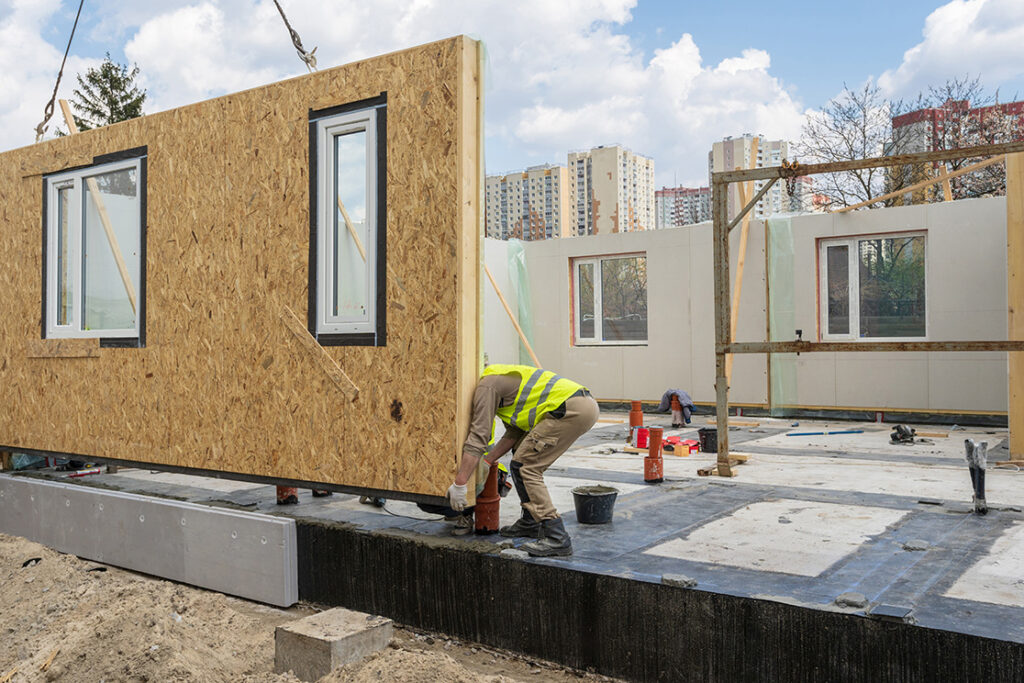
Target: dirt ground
67, 619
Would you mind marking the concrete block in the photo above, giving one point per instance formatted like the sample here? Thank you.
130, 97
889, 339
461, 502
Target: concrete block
312, 647
246, 554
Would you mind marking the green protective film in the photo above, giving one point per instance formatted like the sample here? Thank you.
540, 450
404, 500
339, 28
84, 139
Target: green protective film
520, 280
782, 313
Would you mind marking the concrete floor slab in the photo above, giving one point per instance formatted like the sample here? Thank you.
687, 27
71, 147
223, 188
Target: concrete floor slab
787, 536
996, 578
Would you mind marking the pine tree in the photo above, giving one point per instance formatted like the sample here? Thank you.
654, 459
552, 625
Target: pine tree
106, 95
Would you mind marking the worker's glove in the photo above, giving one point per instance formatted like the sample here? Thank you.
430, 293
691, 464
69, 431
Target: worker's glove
457, 497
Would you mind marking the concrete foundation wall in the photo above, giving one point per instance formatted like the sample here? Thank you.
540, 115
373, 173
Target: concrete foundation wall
966, 300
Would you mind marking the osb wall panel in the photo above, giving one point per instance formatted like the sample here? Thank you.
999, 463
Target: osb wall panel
223, 382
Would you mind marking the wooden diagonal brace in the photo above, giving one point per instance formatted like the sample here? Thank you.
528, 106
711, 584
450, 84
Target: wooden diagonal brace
320, 355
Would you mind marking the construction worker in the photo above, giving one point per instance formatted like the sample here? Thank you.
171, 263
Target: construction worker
544, 414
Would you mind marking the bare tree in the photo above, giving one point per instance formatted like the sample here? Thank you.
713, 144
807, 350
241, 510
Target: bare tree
960, 113
856, 124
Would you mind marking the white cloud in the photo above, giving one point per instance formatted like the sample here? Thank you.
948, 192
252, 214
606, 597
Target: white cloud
964, 37
562, 75
28, 69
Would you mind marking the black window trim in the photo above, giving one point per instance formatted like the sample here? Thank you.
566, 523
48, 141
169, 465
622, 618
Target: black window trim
379, 337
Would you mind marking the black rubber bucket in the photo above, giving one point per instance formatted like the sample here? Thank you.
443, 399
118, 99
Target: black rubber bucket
594, 504
708, 437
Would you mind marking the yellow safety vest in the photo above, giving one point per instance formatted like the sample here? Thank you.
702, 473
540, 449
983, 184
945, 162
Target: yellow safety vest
540, 392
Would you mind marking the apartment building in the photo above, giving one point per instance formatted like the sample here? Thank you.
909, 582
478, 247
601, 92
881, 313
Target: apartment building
528, 205
677, 206
753, 151
611, 189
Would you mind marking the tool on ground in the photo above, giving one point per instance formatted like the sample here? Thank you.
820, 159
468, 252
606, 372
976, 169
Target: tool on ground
84, 473
837, 431
902, 434
977, 459
488, 505
376, 501
653, 462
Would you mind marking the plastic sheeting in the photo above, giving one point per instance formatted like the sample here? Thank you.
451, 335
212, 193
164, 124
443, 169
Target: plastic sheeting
782, 313
520, 281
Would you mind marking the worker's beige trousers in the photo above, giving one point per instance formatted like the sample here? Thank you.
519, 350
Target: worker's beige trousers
542, 446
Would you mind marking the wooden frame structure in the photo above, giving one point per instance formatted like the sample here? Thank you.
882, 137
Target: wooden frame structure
721, 226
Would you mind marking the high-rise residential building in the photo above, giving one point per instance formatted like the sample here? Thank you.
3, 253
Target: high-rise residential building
953, 124
677, 206
752, 151
611, 189
528, 205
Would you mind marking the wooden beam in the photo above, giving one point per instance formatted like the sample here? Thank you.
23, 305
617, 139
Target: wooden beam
744, 190
720, 241
352, 230
923, 184
1015, 297
515, 323
101, 209
6, 461
947, 189
873, 162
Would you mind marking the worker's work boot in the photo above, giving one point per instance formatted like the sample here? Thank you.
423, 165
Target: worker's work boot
556, 541
526, 526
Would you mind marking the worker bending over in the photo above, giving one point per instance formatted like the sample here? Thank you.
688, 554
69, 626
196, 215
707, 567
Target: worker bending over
543, 415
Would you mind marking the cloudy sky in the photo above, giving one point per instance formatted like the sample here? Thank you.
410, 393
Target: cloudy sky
661, 77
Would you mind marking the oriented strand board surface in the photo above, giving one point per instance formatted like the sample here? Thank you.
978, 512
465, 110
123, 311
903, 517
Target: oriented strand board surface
224, 383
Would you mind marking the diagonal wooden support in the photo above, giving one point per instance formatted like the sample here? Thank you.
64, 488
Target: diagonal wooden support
924, 183
352, 230
751, 204
101, 209
319, 354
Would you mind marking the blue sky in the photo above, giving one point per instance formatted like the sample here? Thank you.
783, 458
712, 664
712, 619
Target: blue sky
664, 78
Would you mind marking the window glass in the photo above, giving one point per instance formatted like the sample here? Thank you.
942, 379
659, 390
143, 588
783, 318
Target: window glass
65, 286
586, 293
838, 270
892, 287
349, 269
110, 212
624, 299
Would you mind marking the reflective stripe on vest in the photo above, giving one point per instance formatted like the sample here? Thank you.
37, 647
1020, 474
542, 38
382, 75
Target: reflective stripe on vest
540, 392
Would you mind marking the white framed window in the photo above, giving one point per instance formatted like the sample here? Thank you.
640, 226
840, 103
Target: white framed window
349, 240
610, 299
94, 234
873, 287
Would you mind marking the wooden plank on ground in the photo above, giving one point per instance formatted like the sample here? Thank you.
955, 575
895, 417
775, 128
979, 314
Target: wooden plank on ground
737, 423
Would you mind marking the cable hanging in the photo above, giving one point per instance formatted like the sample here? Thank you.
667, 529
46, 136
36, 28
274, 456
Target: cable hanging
48, 110
308, 57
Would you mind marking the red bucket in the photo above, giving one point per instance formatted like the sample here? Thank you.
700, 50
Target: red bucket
640, 436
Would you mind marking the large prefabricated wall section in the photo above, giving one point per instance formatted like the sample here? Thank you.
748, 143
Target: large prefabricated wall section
227, 375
